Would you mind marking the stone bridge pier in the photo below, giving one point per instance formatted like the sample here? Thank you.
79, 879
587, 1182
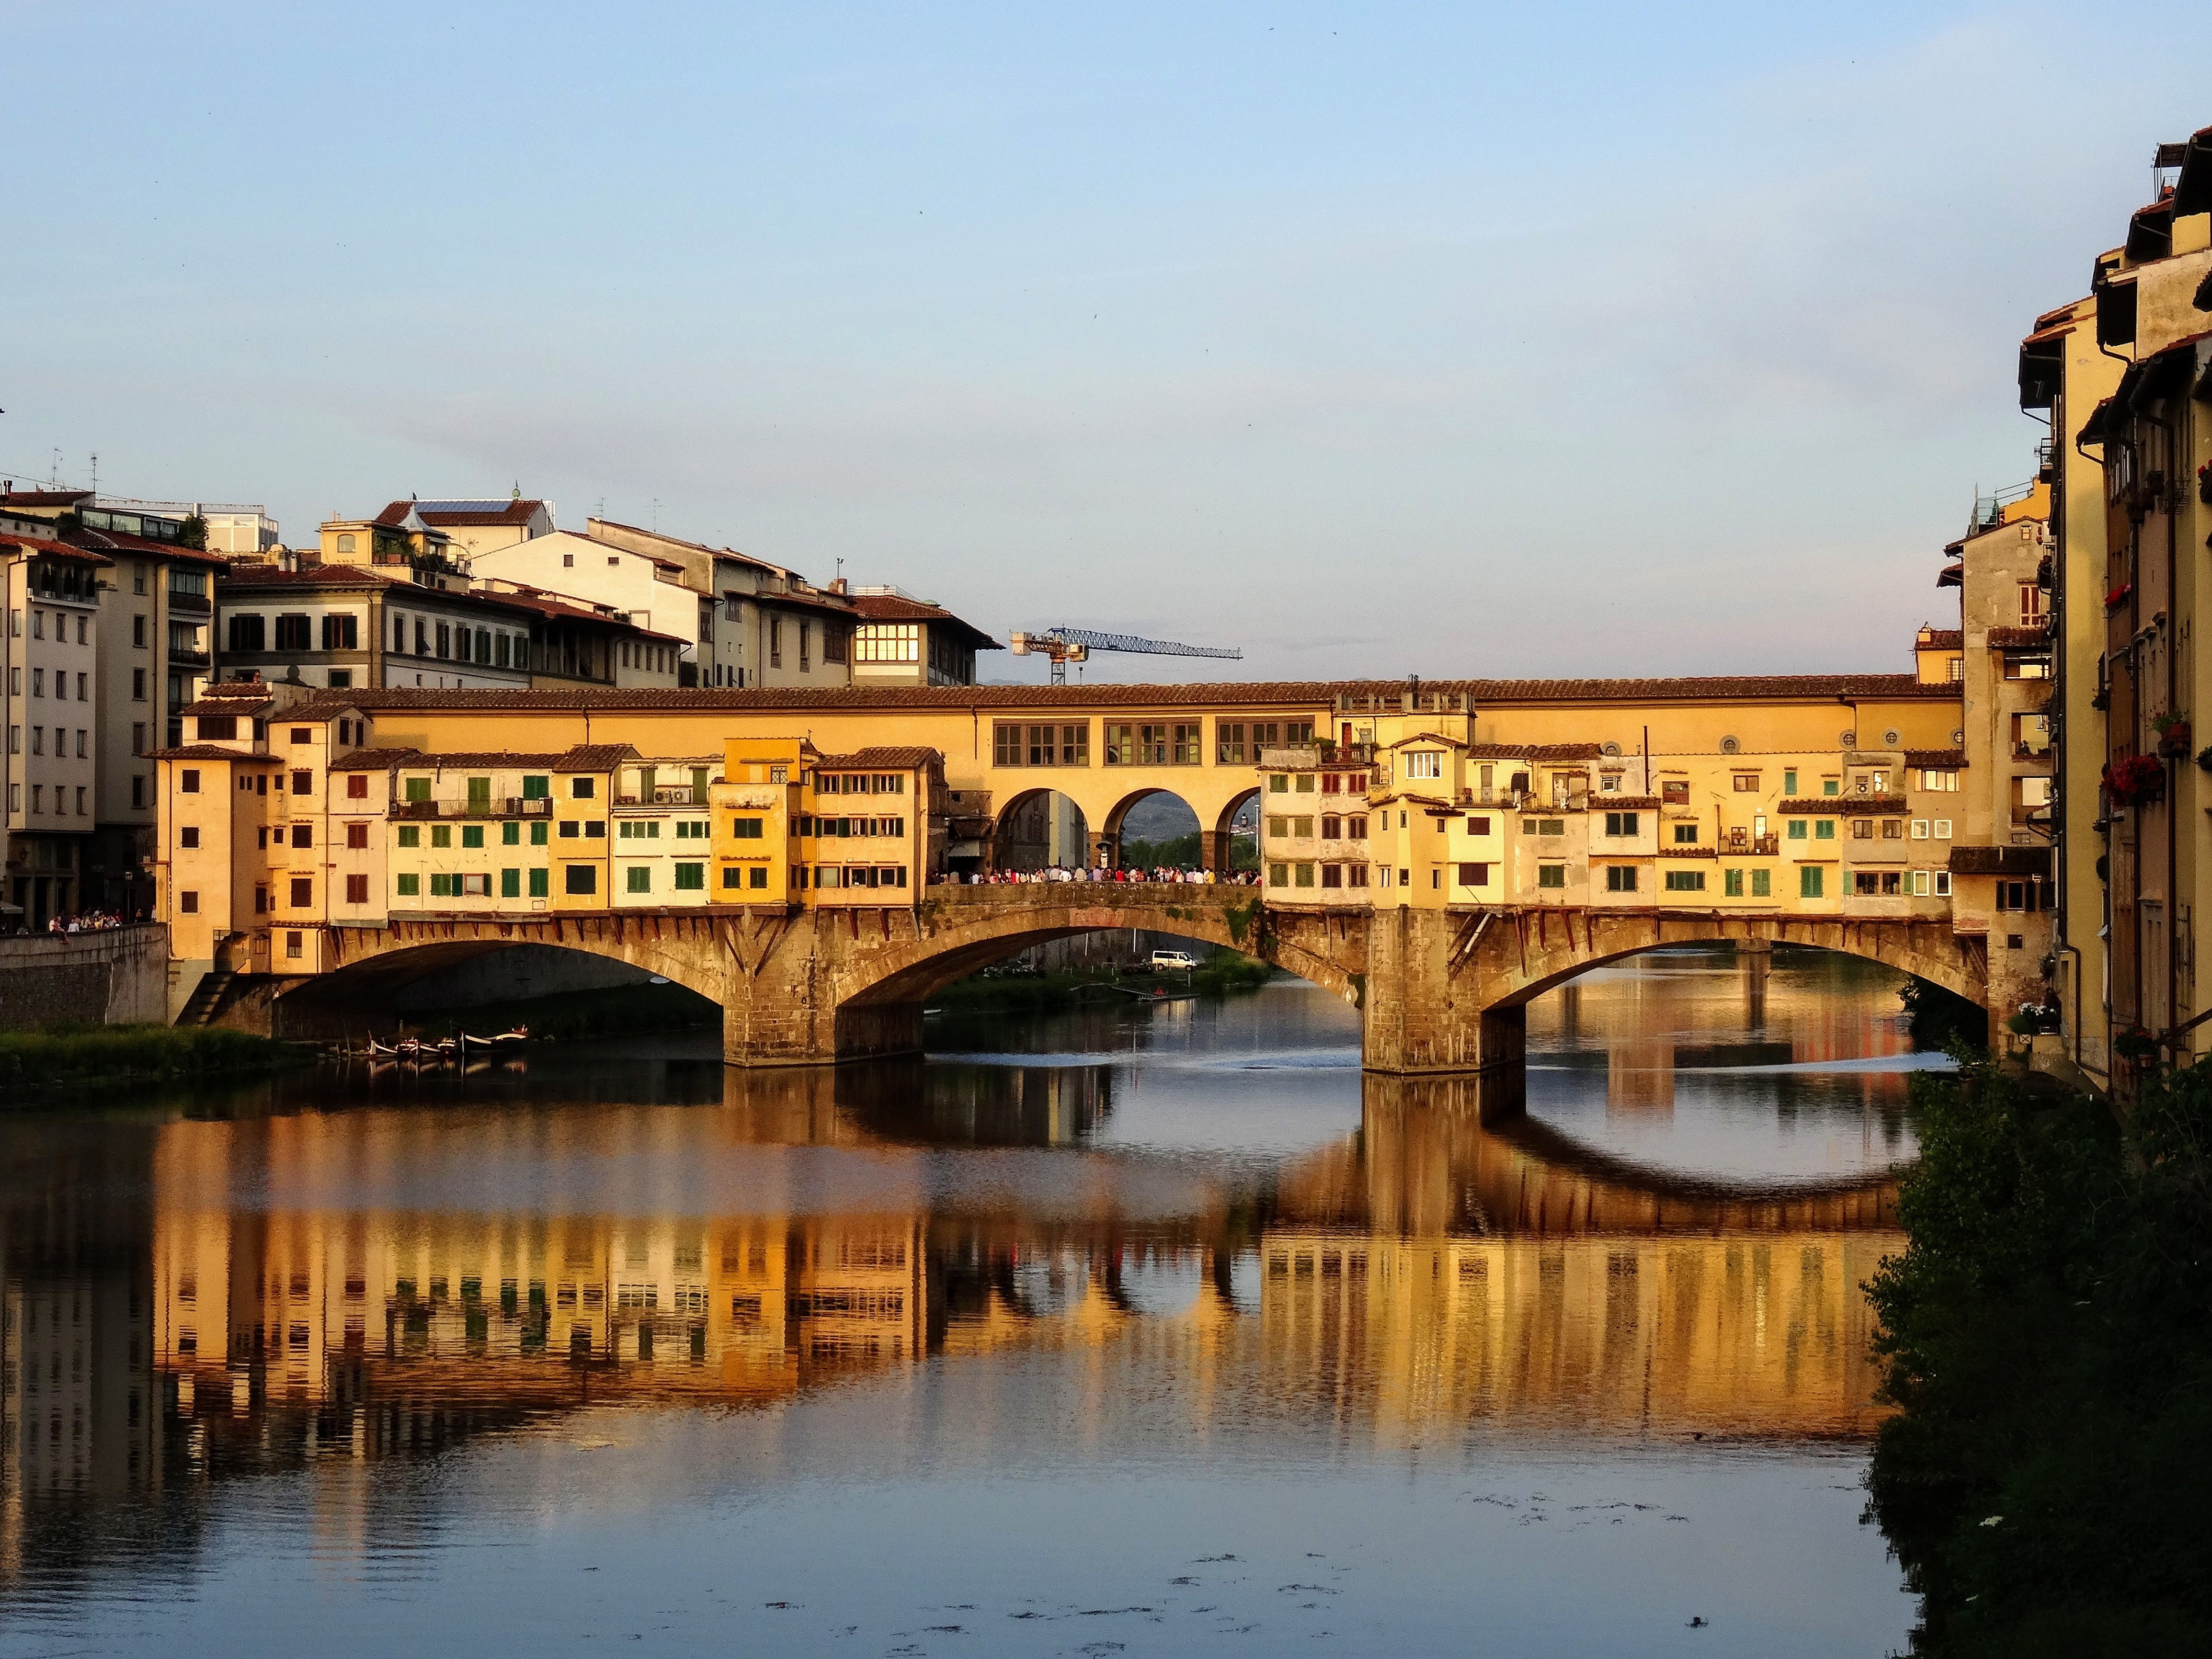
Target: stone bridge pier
1438, 991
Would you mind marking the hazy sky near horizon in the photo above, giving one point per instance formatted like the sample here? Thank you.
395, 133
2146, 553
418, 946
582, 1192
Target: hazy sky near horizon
1470, 340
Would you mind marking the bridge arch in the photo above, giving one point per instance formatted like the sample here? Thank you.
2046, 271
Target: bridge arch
1039, 828
1547, 948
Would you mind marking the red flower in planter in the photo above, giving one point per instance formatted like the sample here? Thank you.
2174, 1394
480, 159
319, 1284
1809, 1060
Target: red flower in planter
2137, 778
2118, 596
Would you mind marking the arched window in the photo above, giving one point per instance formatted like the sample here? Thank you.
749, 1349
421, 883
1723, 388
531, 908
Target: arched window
345, 542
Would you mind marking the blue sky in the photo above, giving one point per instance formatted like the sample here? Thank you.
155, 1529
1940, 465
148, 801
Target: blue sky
1467, 340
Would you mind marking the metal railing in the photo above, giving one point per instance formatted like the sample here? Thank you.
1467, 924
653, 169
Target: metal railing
507, 806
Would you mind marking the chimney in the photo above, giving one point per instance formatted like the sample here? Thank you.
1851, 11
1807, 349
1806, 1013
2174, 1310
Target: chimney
837, 586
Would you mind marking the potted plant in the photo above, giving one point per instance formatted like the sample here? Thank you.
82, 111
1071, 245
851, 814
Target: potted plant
2136, 778
2118, 596
2173, 736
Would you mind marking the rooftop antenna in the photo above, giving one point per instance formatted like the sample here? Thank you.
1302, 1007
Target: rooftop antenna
518, 491
95, 472
55, 478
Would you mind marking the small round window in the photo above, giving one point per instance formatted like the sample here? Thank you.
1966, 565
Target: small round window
1730, 746
1889, 739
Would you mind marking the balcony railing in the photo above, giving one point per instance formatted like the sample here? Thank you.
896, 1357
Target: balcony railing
507, 806
1743, 842
191, 604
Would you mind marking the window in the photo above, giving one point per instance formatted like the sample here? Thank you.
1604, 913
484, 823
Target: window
442, 835
1120, 746
356, 889
510, 883
638, 878
580, 878
1731, 884
294, 946
407, 886
356, 837
1686, 835
188, 835
745, 829
1762, 884
1796, 829
2028, 664
1941, 780
411, 835
1355, 828
1943, 828
1278, 784
1942, 884
1475, 875
581, 789
759, 877
341, 632
1332, 828
1811, 881
1301, 827
1675, 793
541, 883
303, 892
416, 789
1279, 875
303, 783
1228, 743
1550, 875
188, 904
1790, 780
510, 833
1425, 763
2025, 896
1685, 881
188, 782
1861, 828
1892, 829
137, 685
1544, 826
1865, 884
1747, 783
292, 632
536, 789
691, 878
1832, 786
1620, 877
357, 786
1616, 824
1824, 830
472, 835
247, 633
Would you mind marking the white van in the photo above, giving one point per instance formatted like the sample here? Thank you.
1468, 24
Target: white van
1181, 960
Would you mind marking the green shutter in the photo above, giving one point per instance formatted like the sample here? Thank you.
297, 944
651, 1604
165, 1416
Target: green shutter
537, 833
1809, 882
479, 794
472, 835
540, 882
510, 833
407, 886
536, 789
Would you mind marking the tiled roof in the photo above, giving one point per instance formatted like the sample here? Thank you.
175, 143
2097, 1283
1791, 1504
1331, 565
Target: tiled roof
482, 760
1938, 758
46, 498
594, 757
2000, 861
229, 703
56, 549
827, 602
2008, 638
1530, 751
889, 607
374, 760
206, 751
1842, 806
1952, 575
1941, 639
1297, 695
309, 575
888, 759
119, 541
444, 514
556, 609
1617, 803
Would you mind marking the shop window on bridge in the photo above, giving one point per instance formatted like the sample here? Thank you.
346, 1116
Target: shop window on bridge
1731, 884
1686, 835
580, 878
1685, 881
691, 878
1279, 875
745, 829
2023, 895
638, 878
1550, 875
1228, 743
1941, 780
1943, 883
1762, 884
1812, 881
1619, 878
1120, 746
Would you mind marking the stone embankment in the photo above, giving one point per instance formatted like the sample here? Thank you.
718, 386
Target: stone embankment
115, 976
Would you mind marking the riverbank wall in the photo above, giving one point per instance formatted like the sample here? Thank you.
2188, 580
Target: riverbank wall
117, 977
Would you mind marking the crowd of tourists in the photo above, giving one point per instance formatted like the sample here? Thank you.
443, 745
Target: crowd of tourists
1064, 872
91, 922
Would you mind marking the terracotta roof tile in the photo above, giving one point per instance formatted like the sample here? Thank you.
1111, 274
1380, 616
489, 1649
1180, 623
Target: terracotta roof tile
376, 760
887, 758
1297, 695
208, 751
56, 549
891, 608
46, 498
1841, 807
1942, 639
227, 704
593, 757
1937, 758
514, 512
2012, 638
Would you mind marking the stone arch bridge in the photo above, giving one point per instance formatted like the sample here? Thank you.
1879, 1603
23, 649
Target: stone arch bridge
1439, 990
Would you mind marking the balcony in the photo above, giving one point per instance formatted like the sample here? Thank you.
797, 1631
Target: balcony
1743, 842
508, 806
180, 657
188, 604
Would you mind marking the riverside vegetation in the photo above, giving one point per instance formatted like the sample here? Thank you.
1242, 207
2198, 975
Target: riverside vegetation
69, 1057
1219, 975
2047, 1485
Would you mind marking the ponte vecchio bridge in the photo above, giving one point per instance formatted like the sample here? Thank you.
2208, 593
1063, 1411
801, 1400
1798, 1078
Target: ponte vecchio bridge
1436, 855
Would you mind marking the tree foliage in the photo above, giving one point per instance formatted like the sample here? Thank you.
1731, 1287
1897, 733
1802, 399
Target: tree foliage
2047, 1484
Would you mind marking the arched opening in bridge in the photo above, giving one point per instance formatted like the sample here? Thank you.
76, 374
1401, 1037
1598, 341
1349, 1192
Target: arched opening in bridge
485, 985
1154, 830
1236, 834
1040, 829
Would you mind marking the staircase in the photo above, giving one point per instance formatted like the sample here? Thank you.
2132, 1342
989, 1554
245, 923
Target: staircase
207, 997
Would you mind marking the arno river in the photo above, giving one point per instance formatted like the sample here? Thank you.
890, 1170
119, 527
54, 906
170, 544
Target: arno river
1146, 1330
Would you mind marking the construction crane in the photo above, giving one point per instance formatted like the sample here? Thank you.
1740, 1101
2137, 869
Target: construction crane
1066, 644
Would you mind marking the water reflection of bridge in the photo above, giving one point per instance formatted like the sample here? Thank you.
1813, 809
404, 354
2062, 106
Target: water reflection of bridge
312, 1286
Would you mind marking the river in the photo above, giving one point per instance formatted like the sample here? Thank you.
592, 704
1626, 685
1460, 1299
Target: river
1143, 1330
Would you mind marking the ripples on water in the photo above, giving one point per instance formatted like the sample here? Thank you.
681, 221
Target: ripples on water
1155, 1331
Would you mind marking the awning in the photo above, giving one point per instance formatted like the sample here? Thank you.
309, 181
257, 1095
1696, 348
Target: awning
1954, 576
2043, 366
2115, 310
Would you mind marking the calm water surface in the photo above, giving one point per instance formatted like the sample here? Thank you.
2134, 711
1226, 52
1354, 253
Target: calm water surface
1143, 1331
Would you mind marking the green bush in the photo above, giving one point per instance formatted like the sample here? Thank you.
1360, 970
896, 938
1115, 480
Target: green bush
2047, 1485
68, 1056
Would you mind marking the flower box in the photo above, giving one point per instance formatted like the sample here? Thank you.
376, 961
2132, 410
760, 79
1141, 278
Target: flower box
2118, 596
2135, 779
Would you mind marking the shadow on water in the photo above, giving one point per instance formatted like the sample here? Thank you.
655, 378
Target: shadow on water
1154, 1225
